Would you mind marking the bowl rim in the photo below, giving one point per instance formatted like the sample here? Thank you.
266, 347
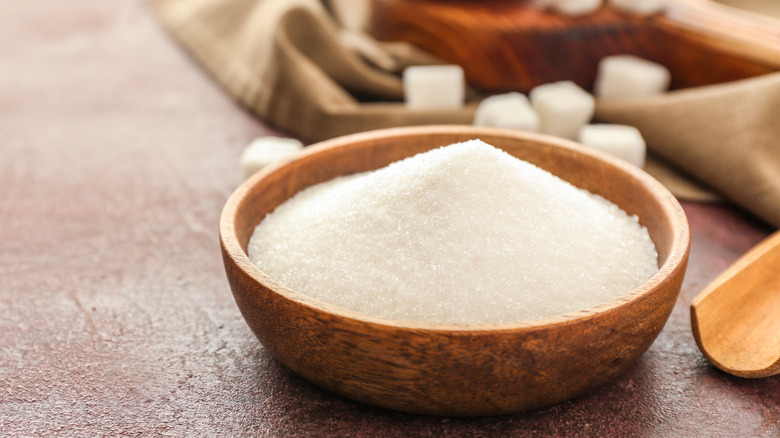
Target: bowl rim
676, 260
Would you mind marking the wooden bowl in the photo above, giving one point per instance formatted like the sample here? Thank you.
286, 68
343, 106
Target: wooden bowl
449, 369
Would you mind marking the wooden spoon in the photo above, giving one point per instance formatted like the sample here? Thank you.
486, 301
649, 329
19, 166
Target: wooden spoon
736, 319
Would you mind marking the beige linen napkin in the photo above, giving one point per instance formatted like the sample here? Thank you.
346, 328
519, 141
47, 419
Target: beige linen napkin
290, 62
727, 135
284, 59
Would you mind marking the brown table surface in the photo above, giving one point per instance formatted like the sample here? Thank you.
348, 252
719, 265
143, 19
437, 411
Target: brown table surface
116, 156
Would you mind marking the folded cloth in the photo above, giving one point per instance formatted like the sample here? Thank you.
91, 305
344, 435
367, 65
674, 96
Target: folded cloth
295, 66
285, 60
727, 135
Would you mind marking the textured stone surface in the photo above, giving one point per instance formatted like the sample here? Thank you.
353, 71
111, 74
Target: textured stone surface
116, 156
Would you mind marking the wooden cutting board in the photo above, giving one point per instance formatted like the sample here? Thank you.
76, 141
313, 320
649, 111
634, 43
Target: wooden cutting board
515, 45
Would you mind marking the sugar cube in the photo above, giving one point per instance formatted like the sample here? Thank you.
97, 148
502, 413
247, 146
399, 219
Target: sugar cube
511, 111
640, 7
575, 7
563, 108
623, 76
434, 86
263, 151
621, 141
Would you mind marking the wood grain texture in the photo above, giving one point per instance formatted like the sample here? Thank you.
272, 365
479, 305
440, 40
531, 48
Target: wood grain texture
510, 45
442, 369
736, 319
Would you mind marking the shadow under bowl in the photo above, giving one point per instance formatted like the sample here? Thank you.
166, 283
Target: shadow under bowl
455, 369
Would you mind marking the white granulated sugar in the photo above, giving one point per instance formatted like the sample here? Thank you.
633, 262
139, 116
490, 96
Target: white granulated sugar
460, 234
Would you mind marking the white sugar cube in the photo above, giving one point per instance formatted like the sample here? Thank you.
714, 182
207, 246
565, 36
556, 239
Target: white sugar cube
263, 151
624, 142
563, 108
575, 7
511, 111
434, 86
640, 7
623, 76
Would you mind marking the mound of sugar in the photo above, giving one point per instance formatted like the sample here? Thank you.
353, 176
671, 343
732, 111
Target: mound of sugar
460, 234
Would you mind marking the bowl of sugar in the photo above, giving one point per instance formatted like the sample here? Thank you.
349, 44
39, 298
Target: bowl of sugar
454, 270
